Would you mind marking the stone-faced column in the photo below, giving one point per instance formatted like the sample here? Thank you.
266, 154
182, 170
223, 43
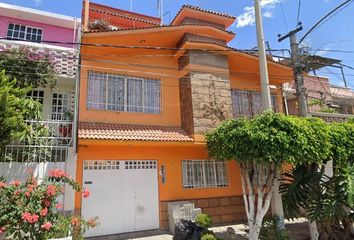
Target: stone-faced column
205, 95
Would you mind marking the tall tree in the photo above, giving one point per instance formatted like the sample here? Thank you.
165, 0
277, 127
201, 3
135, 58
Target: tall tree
261, 146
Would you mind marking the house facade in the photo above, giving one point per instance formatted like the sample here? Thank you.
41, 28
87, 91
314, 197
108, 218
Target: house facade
329, 102
148, 95
50, 35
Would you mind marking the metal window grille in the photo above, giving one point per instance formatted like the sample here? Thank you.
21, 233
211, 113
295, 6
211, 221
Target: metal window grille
36, 95
124, 94
246, 103
204, 173
60, 106
17, 31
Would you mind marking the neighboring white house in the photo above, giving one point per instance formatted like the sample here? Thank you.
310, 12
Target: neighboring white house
45, 33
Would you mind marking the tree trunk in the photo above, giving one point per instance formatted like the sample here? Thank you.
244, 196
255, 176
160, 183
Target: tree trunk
313, 231
257, 189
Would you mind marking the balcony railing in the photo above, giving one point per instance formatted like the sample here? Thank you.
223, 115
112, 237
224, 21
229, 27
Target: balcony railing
50, 143
332, 117
63, 58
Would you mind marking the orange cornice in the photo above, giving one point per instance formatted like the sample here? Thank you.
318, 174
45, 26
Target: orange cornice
199, 29
87, 142
204, 15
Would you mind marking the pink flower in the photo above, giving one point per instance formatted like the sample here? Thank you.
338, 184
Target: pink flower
46, 203
44, 212
51, 190
58, 206
46, 226
2, 229
74, 221
35, 218
15, 183
57, 173
17, 192
2, 185
27, 194
85, 193
27, 217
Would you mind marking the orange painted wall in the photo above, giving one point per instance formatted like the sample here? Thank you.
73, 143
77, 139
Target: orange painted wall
163, 69
169, 156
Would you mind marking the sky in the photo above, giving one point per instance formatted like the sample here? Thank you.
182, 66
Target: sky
279, 17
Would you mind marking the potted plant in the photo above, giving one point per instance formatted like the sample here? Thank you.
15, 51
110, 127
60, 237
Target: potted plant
66, 129
30, 211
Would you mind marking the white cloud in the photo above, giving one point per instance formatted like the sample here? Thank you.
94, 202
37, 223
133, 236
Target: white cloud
37, 2
268, 14
247, 18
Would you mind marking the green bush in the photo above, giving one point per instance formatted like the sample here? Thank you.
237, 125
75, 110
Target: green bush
270, 231
208, 236
203, 220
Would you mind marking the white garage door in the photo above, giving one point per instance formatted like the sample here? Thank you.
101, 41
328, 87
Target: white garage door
124, 195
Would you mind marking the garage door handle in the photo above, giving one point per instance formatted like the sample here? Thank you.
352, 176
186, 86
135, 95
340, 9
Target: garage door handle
88, 182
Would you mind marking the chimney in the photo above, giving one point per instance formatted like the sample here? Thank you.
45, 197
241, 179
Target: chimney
86, 15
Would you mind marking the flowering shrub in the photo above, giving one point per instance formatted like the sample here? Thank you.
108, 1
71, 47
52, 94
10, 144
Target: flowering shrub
31, 211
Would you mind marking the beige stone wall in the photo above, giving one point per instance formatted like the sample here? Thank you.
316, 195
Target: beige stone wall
225, 210
211, 100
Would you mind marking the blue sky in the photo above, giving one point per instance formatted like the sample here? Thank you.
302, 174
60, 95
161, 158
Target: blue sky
335, 34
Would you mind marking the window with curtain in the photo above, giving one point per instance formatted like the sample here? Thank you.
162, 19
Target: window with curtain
204, 173
123, 94
246, 103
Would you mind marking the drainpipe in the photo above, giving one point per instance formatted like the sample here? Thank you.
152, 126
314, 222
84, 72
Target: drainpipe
285, 100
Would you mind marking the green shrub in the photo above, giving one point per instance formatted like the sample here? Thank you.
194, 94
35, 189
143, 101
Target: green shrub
208, 236
270, 231
203, 220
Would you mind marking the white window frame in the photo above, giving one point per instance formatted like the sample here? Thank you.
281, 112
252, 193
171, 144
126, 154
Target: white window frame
205, 180
250, 94
36, 96
25, 32
61, 113
94, 105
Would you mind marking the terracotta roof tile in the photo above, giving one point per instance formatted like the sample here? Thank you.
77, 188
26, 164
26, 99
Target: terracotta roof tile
112, 131
202, 10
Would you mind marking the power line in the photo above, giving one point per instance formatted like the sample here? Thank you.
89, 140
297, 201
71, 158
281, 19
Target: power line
343, 5
282, 11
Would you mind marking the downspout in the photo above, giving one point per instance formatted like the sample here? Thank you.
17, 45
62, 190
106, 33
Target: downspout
284, 99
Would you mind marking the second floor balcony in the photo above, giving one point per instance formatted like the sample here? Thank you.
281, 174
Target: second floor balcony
63, 58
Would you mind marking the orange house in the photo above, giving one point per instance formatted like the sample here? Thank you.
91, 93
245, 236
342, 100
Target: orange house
148, 95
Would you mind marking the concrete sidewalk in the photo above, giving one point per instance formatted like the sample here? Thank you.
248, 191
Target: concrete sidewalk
298, 231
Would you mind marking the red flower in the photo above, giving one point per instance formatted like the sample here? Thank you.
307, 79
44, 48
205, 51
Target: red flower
44, 212
46, 226
35, 218
27, 217
46, 202
15, 183
2, 229
17, 192
85, 193
92, 222
74, 221
51, 190
2, 184
57, 173
27, 194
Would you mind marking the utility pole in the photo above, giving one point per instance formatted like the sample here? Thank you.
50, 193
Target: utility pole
277, 202
298, 69
263, 68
